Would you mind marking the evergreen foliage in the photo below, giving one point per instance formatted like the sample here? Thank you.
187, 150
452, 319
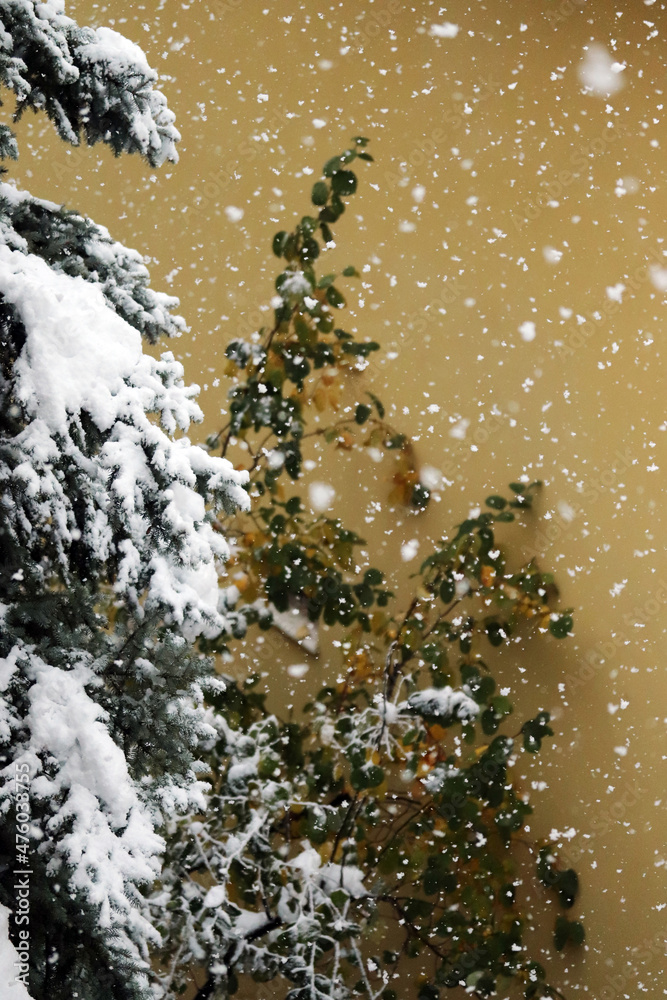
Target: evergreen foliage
107, 551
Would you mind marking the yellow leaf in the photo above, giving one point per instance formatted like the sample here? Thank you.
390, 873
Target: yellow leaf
320, 399
345, 441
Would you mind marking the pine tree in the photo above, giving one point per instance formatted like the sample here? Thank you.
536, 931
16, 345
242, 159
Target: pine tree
107, 549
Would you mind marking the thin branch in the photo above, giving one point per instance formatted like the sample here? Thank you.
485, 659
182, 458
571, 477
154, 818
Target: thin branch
348, 815
410, 927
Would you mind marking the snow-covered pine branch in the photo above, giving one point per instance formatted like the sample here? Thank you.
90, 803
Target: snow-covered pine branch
72, 244
108, 551
90, 82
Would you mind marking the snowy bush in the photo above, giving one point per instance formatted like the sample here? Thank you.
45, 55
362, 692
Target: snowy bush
367, 847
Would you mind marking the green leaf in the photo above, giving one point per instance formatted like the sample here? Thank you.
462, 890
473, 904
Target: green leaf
490, 722
577, 932
334, 298
376, 403
289, 250
534, 732
568, 931
310, 250
506, 895
496, 633
308, 225
350, 272
496, 502
331, 166
369, 776
502, 705
362, 350
561, 627
567, 887
337, 206
323, 355
344, 182
546, 870
374, 776
320, 194
421, 496
447, 590
362, 413
279, 242
373, 577
364, 595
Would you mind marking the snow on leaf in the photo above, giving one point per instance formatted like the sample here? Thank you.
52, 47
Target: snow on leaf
443, 703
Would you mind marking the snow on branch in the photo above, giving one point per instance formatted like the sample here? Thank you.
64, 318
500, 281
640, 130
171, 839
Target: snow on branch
90, 82
83, 384
72, 244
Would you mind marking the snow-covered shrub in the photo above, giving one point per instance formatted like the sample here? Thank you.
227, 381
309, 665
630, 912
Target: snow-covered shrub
367, 847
